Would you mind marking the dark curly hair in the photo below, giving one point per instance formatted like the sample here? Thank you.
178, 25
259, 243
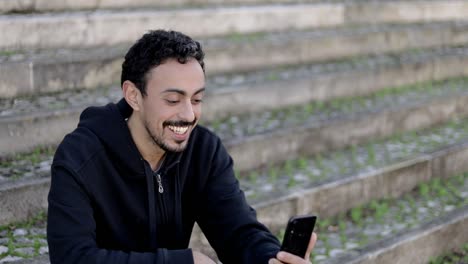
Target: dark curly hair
153, 49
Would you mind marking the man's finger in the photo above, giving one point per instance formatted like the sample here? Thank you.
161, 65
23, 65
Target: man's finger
274, 261
290, 258
311, 246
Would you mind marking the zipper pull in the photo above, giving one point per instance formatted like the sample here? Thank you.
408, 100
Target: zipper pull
160, 189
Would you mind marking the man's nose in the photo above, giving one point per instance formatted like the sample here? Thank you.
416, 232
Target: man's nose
186, 112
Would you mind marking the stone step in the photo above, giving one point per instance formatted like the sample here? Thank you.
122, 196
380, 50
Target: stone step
418, 245
312, 133
97, 28
254, 140
25, 180
455, 255
30, 122
33, 6
427, 227
31, 72
342, 192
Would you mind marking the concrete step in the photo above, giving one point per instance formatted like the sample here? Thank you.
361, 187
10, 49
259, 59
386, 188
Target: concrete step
439, 224
25, 180
43, 120
24, 73
269, 137
455, 255
419, 245
343, 192
34, 6
97, 28
399, 229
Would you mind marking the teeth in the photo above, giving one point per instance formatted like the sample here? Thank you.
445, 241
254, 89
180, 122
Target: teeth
178, 130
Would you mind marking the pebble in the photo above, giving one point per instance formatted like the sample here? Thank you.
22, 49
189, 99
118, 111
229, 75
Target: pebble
26, 251
3, 233
399, 226
20, 232
335, 252
320, 257
266, 187
10, 259
422, 210
372, 231
28, 174
4, 240
3, 249
37, 231
449, 208
24, 240
44, 250
42, 241
351, 245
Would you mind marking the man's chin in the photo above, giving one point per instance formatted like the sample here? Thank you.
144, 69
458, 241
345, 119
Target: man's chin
177, 146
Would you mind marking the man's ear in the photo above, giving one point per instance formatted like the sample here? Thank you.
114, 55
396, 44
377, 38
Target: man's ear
132, 95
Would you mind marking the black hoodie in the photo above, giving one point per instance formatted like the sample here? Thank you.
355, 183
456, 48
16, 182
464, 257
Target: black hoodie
105, 205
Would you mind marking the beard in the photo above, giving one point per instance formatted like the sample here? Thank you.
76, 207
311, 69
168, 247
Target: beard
159, 141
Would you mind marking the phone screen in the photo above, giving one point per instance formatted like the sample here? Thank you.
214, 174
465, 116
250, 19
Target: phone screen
297, 235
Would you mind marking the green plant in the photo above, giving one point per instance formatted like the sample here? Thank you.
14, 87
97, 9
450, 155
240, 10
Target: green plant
424, 190
356, 215
291, 182
273, 173
319, 161
309, 109
253, 177
289, 167
302, 163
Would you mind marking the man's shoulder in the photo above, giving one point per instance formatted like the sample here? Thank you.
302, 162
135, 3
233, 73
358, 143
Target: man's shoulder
77, 148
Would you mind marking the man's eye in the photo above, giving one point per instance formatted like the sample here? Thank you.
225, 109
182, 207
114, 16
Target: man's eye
172, 101
197, 101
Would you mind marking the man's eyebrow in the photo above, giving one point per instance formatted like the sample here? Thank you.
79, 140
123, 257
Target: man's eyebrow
181, 92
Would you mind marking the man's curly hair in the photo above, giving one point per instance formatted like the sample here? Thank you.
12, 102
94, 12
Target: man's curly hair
153, 49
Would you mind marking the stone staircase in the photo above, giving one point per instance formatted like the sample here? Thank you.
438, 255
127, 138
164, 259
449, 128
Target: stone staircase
352, 110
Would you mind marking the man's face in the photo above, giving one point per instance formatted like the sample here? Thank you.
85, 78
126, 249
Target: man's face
172, 106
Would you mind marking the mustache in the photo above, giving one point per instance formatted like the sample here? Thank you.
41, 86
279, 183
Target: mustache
179, 123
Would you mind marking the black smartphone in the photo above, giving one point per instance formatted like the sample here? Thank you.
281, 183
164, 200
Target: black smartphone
297, 235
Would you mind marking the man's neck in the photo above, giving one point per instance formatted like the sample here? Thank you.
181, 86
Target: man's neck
152, 153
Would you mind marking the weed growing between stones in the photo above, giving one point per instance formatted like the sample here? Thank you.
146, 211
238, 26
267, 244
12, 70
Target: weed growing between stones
35, 163
386, 217
317, 111
456, 256
306, 171
24, 239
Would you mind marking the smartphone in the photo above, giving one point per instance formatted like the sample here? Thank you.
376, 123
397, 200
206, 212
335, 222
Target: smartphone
297, 236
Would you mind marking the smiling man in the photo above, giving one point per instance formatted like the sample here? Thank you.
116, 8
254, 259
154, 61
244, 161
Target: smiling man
131, 180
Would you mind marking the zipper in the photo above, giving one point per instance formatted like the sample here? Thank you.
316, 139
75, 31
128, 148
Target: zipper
160, 186
161, 199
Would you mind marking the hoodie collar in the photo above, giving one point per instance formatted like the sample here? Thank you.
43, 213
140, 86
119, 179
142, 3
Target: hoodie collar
171, 159
109, 124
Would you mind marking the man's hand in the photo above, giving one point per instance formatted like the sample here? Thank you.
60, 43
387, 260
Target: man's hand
200, 258
288, 258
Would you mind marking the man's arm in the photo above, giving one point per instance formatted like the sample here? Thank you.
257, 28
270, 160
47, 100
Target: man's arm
226, 219
71, 229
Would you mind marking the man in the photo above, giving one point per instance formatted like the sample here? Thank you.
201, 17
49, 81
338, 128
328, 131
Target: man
131, 180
